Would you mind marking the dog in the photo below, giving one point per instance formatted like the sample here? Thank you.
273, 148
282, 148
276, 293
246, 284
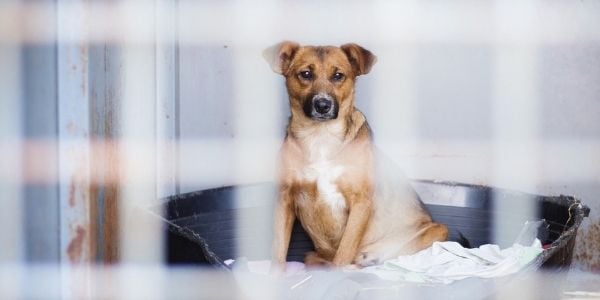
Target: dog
355, 205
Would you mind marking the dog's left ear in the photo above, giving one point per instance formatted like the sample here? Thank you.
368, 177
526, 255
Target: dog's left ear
360, 58
280, 56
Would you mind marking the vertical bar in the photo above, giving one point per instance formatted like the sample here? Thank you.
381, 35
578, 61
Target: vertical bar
77, 227
394, 101
255, 97
166, 114
11, 132
140, 238
73, 133
515, 112
113, 62
105, 98
98, 131
40, 165
254, 136
138, 153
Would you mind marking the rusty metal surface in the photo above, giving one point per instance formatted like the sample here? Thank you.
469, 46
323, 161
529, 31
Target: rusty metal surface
77, 231
587, 249
105, 100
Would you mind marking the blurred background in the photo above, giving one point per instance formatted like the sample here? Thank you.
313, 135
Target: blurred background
106, 107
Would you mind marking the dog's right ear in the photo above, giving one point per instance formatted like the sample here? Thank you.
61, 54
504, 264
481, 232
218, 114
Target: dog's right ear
280, 56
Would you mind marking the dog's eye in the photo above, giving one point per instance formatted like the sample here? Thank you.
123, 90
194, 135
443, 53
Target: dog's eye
337, 76
307, 75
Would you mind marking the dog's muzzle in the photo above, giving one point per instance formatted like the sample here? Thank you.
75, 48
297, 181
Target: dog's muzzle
321, 107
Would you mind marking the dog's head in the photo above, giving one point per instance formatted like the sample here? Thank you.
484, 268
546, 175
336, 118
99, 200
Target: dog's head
320, 79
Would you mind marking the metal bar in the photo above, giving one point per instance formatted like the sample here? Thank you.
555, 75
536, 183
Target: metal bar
77, 215
166, 85
74, 148
250, 92
10, 148
515, 110
105, 97
140, 233
41, 203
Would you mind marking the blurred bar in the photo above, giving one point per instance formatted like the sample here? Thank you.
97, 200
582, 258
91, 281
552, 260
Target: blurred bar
114, 21
11, 132
12, 239
140, 233
140, 239
167, 106
515, 109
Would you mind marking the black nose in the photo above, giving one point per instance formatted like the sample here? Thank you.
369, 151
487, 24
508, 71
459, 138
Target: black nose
322, 105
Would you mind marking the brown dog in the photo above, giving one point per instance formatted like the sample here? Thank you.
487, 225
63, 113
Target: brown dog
356, 207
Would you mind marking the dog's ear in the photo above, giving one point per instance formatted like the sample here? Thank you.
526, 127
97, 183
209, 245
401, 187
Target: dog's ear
280, 56
360, 58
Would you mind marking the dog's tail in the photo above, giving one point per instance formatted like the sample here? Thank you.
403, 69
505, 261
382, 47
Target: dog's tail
463, 241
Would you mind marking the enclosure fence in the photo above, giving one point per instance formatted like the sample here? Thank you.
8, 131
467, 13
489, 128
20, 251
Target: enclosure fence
108, 107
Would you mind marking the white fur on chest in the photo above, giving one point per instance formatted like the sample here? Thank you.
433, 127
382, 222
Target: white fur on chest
321, 146
325, 174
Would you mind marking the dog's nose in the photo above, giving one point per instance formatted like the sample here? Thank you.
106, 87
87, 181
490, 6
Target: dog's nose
322, 105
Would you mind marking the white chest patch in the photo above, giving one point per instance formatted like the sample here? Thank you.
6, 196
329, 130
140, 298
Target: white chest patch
325, 174
321, 145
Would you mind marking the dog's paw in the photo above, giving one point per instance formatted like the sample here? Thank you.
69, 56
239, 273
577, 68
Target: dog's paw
277, 269
366, 259
314, 260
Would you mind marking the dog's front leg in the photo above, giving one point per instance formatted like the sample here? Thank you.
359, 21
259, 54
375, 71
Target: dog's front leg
284, 220
358, 219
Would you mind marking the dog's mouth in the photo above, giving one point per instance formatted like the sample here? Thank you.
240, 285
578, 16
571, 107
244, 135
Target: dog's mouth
321, 107
323, 118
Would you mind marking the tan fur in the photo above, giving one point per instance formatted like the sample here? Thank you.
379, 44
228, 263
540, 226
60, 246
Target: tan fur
313, 259
356, 207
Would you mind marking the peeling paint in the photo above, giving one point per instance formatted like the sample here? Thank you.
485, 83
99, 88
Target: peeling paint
77, 229
75, 248
72, 188
77, 184
84, 59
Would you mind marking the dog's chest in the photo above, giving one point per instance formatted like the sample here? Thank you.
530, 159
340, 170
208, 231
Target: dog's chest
322, 170
325, 174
